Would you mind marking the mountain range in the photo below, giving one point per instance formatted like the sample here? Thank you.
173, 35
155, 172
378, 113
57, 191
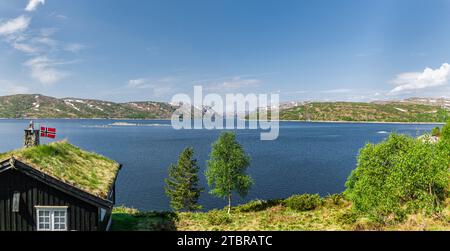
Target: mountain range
408, 110
39, 106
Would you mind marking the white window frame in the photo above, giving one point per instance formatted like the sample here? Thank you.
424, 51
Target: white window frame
51, 211
102, 214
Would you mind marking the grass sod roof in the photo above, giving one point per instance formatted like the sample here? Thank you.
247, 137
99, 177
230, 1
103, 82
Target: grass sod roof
90, 172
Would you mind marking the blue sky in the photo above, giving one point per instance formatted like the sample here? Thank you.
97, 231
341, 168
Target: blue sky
123, 50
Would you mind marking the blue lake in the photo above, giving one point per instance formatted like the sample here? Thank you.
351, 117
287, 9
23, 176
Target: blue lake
306, 158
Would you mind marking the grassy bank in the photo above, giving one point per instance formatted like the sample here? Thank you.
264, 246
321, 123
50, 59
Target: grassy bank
332, 214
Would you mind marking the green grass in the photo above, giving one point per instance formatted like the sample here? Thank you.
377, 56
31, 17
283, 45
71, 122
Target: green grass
87, 171
126, 219
333, 215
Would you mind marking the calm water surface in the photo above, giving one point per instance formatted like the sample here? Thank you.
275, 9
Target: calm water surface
306, 158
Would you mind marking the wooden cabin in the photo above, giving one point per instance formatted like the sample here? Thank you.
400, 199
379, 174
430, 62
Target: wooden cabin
56, 187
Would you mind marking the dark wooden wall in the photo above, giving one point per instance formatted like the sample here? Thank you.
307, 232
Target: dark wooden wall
81, 215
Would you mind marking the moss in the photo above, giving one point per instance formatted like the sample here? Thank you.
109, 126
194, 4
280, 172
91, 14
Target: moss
87, 171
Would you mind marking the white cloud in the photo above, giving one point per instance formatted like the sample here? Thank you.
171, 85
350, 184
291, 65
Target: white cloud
156, 87
143, 83
41, 44
24, 47
338, 91
234, 83
16, 89
8, 88
12, 26
51, 43
44, 70
30, 43
61, 17
347, 95
74, 47
159, 91
238, 83
37, 44
411, 81
137, 83
33, 4
48, 32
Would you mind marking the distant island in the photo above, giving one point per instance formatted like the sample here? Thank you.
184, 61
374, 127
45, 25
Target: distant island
409, 110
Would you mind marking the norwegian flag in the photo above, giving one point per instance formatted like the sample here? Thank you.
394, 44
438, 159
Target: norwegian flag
47, 132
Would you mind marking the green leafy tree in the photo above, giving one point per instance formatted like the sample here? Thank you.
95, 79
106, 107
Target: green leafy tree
182, 185
226, 172
399, 176
445, 132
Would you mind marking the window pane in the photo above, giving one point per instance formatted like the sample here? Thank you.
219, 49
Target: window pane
52, 219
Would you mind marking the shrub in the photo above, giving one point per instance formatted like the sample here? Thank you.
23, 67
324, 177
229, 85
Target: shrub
336, 199
304, 202
257, 205
158, 214
252, 206
347, 218
399, 176
436, 132
129, 219
157, 221
217, 217
445, 132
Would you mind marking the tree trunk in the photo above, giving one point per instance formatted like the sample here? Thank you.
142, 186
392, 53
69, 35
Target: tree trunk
229, 203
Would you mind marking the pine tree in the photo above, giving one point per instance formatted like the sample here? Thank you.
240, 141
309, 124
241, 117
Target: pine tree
182, 185
226, 172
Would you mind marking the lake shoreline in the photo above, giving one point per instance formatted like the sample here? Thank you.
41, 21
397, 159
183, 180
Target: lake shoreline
299, 121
